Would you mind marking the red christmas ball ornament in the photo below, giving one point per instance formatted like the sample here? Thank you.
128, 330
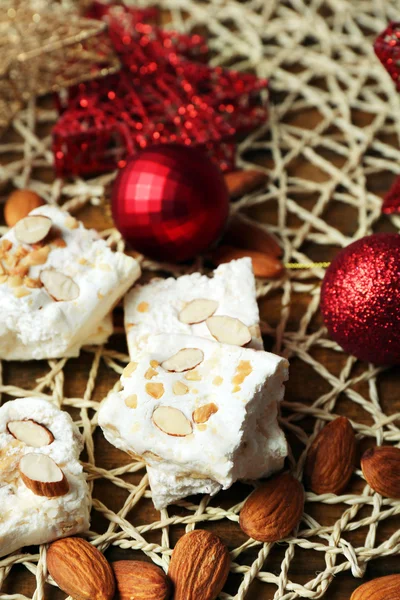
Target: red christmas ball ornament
360, 299
170, 202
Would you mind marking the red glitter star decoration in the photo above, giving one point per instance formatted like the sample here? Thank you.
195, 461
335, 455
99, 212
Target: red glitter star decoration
163, 94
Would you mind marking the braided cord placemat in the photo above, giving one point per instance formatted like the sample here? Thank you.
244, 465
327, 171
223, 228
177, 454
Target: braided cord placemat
319, 58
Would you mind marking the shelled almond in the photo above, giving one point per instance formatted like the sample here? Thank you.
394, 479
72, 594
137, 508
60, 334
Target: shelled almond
274, 509
331, 458
266, 266
139, 580
243, 182
381, 469
383, 588
242, 233
199, 566
19, 204
80, 570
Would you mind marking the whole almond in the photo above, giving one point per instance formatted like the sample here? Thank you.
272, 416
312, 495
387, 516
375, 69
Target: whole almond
381, 469
140, 580
242, 182
242, 233
199, 566
383, 588
274, 509
331, 458
80, 570
19, 204
264, 265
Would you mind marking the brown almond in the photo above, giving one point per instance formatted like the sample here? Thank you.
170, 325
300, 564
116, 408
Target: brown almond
331, 458
19, 204
383, 588
381, 469
243, 182
242, 233
199, 566
264, 265
140, 580
80, 570
274, 509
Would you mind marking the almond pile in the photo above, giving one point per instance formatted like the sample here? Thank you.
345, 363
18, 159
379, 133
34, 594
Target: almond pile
198, 570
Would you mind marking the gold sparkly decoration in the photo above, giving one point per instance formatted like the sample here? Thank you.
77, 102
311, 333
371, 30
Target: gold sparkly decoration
44, 48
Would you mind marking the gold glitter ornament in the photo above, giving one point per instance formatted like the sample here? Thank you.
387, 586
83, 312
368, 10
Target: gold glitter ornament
44, 48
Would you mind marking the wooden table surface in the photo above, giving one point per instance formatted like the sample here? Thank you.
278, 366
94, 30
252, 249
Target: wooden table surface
304, 386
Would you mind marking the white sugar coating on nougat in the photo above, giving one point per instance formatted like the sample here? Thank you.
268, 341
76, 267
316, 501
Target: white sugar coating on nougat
25, 517
155, 307
33, 325
225, 408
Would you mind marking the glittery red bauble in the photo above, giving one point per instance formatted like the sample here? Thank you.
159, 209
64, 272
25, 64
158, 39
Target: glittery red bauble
360, 299
170, 202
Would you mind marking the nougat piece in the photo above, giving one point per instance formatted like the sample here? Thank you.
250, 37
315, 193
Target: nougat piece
58, 284
185, 304
43, 490
200, 413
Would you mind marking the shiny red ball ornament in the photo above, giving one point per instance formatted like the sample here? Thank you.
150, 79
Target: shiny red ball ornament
170, 202
360, 299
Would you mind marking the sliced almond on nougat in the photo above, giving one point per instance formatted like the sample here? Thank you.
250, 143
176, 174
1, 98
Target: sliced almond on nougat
203, 413
197, 311
32, 229
59, 286
41, 475
31, 433
172, 421
184, 360
228, 330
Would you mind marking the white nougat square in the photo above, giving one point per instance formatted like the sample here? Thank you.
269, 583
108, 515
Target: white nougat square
200, 413
43, 490
58, 284
162, 306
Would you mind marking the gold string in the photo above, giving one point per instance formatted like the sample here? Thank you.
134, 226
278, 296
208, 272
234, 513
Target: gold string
318, 265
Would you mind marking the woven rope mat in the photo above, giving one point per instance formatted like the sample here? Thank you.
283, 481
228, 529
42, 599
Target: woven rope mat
319, 58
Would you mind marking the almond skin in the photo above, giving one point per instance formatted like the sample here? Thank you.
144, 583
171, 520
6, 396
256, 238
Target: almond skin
241, 182
199, 566
383, 588
331, 458
244, 234
381, 469
272, 511
264, 265
140, 580
80, 570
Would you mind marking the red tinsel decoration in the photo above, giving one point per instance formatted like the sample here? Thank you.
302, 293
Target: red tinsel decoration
387, 49
391, 202
160, 96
